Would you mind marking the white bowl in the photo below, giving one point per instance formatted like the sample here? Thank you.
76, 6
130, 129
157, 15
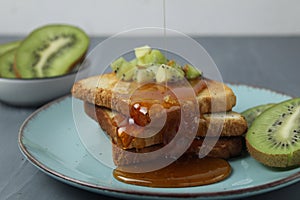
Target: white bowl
35, 92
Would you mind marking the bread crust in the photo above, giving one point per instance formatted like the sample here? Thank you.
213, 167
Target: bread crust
225, 148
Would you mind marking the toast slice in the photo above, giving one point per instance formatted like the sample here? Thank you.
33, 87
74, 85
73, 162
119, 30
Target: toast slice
234, 125
225, 148
108, 91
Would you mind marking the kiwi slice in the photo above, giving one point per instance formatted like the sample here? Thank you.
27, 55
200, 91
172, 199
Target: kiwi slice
274, 137
51, 50
252, 113
7, 64
8, 46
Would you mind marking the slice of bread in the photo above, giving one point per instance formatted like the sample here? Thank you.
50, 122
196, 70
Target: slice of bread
234, 125
225, 148
108, 91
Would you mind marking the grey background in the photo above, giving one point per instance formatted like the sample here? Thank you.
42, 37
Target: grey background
269, 62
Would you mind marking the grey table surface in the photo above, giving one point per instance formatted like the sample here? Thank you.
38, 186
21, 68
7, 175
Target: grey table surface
269, 62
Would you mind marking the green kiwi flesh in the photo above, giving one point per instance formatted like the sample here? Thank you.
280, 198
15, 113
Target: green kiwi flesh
274, 136
124, 70
7, 64
51, 50
8, 46
252, 113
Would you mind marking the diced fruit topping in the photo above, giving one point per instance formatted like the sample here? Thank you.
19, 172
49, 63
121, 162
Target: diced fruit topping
152, 65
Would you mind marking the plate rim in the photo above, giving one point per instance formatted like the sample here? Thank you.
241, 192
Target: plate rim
295, 177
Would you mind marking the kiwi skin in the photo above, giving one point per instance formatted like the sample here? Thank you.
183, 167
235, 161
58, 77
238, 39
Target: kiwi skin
260, 147
274, 160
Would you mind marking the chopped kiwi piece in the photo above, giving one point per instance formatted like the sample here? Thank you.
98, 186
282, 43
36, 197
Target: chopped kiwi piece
153, 69
124, 70
252, 113
153, 57
8, 46
146, 74
128, 74
7, 64
191, 72
142, 76
142, 51
52, 50
134, 61
117, 64
176, 66
274, 136
166, 73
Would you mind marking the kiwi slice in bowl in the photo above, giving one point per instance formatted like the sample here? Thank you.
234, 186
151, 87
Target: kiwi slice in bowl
252, 113
6, 64
51, 50
274, 137
5, 47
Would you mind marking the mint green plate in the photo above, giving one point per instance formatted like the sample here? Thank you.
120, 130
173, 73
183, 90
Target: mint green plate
49, 139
